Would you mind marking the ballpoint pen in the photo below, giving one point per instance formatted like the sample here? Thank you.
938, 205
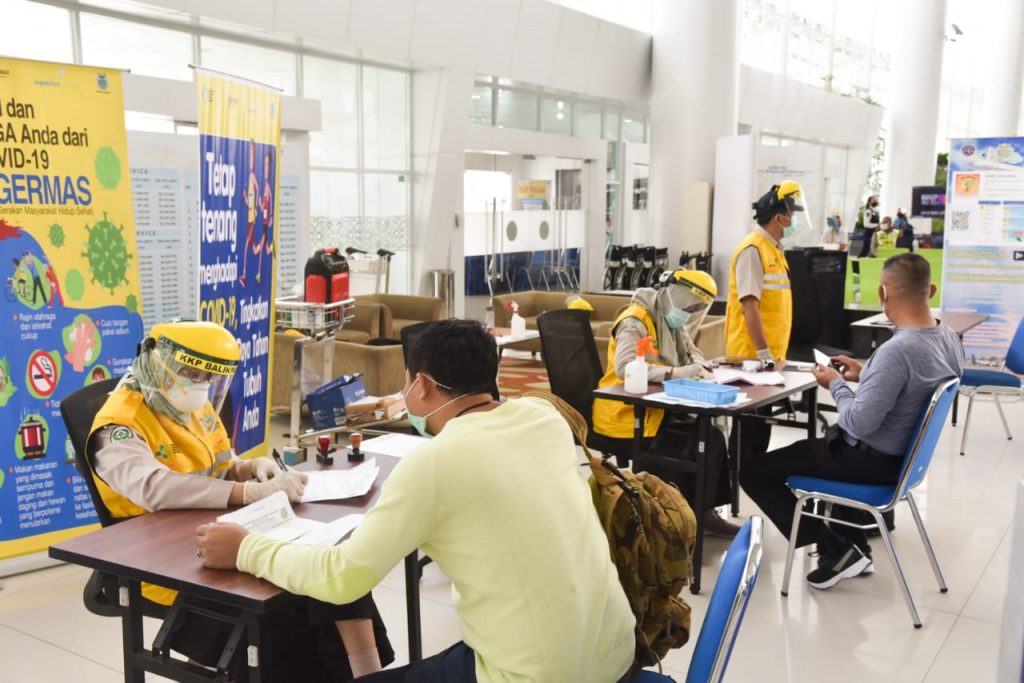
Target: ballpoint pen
279, 460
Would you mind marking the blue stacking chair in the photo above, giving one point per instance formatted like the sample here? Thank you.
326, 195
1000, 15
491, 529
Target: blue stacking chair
725, 610
996, 383
878, 499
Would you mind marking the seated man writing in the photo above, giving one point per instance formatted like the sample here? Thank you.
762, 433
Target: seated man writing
875, 424
497, 500
158, 443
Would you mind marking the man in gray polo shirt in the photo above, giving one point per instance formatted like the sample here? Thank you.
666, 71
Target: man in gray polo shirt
876, 423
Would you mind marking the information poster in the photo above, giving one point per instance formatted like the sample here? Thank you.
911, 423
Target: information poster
984, 241
239, 141
70, 308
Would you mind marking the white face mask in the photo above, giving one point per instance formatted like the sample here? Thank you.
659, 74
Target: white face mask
187, 397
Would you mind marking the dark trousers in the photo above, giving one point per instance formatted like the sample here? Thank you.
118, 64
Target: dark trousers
304, 640
677, 438
763, 477
457, 664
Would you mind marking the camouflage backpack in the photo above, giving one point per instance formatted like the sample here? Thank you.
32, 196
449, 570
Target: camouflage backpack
651, 532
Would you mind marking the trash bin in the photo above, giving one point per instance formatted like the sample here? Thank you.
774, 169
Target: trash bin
443, 287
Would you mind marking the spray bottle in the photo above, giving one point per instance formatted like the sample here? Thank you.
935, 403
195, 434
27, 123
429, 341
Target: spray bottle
518, 324
636, 369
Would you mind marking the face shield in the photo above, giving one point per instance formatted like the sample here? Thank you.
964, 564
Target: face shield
188, 379
688, 295
800, 232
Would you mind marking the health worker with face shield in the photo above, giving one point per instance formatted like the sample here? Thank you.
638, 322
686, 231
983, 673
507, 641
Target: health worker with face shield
759, 312
670, 315
158, 443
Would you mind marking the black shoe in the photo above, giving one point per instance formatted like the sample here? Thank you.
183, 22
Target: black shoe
831, 570
714, 525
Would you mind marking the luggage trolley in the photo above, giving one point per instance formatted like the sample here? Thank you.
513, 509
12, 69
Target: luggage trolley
316, 322
361, 263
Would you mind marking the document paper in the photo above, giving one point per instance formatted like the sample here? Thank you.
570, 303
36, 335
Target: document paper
730, 376
274, 517
395, 445
340, 484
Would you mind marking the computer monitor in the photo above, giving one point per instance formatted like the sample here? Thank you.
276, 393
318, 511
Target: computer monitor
928, 201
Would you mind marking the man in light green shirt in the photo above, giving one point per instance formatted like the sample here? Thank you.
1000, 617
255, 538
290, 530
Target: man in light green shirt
496, 499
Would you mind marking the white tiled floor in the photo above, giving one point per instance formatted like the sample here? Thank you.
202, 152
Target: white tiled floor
857, 631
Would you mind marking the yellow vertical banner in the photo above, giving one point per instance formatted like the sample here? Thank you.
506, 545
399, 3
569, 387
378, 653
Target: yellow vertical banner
239, 153
70, 311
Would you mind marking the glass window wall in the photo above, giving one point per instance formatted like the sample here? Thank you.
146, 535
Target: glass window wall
385, 119
24, 22
334, 83
517, 110
146, 50
275, 68
557, 116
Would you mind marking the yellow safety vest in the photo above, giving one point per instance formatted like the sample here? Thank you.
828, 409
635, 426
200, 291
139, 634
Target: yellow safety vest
775, 306
615, 418
189, 450
886, 240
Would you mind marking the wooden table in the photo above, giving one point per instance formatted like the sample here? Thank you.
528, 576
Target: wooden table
759, 397
160, 548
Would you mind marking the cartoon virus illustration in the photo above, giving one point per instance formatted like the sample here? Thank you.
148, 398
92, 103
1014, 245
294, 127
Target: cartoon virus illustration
107, 253
57, 235
74, 285
132, 304
108, 168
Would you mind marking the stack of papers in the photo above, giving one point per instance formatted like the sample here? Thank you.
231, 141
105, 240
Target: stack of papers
395, 445
763, 379
662, 397
274, 518
340, 484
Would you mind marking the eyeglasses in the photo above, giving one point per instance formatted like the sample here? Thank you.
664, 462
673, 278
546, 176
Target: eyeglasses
194, 375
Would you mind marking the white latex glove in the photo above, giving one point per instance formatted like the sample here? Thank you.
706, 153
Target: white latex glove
691, 371
264, 468
765, 356
291, 482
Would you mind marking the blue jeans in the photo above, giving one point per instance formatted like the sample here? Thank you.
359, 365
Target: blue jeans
457, 664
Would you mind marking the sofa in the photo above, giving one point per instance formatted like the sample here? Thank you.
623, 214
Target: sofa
710, 337
402, 310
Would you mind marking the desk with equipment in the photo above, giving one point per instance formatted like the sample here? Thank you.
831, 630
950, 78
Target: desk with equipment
160, 548
757, 397
872, 331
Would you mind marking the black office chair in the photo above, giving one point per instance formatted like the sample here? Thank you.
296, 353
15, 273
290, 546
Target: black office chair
574, 369
78, 410
409, 334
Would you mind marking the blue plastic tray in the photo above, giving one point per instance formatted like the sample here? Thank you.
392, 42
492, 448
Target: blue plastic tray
705, 392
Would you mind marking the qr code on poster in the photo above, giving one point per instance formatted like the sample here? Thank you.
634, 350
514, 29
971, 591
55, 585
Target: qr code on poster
959, 220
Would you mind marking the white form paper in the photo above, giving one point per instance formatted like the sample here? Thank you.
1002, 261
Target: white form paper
764, 379
662, 397
273, 517
340, 484
395, 445
332, 532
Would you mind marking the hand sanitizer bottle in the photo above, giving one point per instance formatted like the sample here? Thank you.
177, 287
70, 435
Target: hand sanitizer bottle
518, 323
636, 369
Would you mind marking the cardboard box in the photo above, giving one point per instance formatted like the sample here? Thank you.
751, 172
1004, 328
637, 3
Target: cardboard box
373, 408
327, 403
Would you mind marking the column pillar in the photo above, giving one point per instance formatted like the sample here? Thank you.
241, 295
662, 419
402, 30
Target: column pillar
440, 115
1005, 69
913, 105
694, 101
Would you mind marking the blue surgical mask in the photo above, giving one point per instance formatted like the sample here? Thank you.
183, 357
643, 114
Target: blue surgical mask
419, 422
676, 318
789, 229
